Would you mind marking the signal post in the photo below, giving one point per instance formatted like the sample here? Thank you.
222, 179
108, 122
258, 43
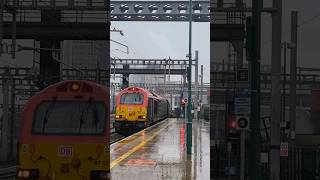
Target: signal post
242, 112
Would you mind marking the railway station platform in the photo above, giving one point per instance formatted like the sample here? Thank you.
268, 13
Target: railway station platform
159, 152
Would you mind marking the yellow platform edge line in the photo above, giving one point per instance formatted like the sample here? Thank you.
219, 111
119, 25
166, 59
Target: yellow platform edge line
136, 148
132, 136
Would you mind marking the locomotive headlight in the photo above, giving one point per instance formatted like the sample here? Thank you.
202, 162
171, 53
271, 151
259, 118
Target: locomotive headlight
118, 116
19, 174
25, 173
28, 173
142, 117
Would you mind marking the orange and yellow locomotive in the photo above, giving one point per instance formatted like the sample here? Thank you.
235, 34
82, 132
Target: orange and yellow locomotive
65, 133
137, 108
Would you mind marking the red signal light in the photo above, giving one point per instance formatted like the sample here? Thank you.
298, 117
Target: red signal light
184, 101
232, 131
232, 123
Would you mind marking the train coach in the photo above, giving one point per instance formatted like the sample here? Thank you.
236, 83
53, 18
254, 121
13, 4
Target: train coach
65, 133
138, 108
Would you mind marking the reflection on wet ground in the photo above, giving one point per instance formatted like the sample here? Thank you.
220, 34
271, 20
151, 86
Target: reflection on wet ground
159, 153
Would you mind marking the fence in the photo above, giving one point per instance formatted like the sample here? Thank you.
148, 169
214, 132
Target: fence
302, 163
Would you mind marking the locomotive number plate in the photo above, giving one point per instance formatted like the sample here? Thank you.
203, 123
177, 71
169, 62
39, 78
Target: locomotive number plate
65, 151
130, 109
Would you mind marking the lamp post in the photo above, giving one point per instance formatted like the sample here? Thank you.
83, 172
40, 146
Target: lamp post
189, 120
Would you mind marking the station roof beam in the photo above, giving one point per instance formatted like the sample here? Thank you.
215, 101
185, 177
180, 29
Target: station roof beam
159, 11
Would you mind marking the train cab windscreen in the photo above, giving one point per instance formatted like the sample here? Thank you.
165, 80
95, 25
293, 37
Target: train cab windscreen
131, 98
70, 118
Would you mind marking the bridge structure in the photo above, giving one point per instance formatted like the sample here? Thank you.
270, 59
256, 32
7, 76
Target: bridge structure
152, 66
159, 11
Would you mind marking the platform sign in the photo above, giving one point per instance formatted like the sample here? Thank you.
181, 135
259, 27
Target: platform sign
242, 105
284, 149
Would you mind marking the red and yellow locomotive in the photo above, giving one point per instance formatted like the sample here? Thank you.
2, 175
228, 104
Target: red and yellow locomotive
137, 108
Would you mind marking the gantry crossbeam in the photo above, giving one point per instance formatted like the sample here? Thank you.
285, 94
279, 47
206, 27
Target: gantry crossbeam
164, 62
72, 19
60, 31
155, 71
98, 5
159, 11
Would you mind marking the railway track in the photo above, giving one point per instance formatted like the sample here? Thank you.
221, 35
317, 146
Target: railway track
115, 137
8, 172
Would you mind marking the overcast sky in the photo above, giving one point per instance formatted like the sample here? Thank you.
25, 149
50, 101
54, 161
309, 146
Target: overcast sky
162, 39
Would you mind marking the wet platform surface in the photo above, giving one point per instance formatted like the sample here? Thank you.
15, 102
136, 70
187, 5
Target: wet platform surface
159, 152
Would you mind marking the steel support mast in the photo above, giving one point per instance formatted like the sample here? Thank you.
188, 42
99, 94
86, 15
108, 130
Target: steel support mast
1, 25
254, 147
196, 85
276, 91
293, 73
189, 115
